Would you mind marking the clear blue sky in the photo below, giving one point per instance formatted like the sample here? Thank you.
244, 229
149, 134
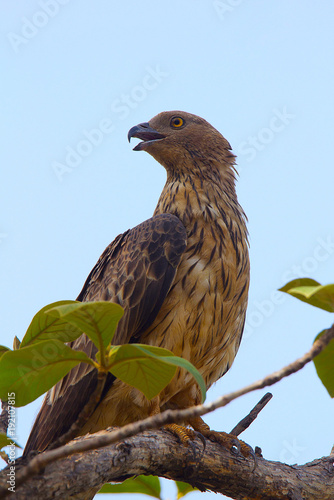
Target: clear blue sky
77, 75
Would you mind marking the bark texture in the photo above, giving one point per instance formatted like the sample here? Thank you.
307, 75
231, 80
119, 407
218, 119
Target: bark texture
159, 453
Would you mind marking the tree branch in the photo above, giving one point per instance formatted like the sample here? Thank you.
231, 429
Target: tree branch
249, 419
160, 453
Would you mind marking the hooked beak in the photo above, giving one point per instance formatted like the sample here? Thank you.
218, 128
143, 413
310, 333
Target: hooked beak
146, 133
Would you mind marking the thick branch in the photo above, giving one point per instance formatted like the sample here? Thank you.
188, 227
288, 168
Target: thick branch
160, 453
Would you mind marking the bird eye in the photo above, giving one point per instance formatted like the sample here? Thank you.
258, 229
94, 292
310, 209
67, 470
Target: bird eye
176, 122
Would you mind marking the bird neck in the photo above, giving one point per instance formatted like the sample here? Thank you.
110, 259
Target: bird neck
206, 195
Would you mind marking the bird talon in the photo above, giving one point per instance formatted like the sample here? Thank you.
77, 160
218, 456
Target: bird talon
202, 438
240, 448
186, 436
235, 447
229, 441
253, 455
183, 434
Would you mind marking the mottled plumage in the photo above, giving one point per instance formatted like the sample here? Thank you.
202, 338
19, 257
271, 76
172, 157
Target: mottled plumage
182, 278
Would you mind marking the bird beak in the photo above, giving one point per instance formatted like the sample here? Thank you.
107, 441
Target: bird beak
146, 133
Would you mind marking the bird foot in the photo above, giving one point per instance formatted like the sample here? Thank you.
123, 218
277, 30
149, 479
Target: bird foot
186, 436
229, 441
182, 433
236, 446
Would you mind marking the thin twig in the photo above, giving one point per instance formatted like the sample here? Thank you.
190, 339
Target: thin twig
101, 439
249, 419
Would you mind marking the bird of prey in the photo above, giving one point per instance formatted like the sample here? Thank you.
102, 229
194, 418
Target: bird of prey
181, 277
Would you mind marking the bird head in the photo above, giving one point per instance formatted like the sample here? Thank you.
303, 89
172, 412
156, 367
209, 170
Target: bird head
177, 138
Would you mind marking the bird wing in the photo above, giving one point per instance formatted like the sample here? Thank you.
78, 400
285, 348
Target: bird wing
136, 271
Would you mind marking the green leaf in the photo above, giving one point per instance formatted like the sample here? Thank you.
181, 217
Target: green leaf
45, 327
3, 349
184, 363
137, 367
7, 441
312, 292
299, 282
146, 485
183, 489
324, 364
97, 319
148, 368
31, 371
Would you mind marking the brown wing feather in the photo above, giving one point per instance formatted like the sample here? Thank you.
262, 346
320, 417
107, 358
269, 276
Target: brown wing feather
136, 271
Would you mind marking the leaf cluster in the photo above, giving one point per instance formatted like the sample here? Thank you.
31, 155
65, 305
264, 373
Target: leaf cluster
321, 296
43, 356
